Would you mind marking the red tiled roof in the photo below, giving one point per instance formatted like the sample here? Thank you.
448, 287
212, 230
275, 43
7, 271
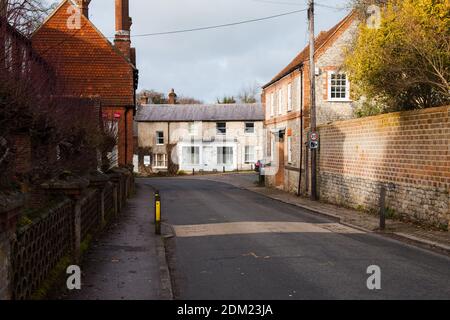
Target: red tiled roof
86, 63
303, 56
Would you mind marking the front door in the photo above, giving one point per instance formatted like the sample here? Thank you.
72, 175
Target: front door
208, 158
279, 178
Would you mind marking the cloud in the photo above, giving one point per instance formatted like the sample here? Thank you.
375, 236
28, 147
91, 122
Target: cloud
208, 64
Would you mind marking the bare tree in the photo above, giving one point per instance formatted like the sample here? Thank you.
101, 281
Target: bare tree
41, 132
249, 93
26, 15
188, 100
155, 97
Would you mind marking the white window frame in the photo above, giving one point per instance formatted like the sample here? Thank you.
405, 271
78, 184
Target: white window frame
157, 157
158, 143
193, 160
249, 154
289, 148
272, 104
230, 156
300, 94
289, 107
217, 129
253, 128
280, 101
347, 87
272, 147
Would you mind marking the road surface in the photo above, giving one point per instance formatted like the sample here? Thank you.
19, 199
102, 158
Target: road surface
234, 244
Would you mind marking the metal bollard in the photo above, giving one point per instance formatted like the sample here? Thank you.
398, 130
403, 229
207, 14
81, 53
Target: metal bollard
157, 213
382, 205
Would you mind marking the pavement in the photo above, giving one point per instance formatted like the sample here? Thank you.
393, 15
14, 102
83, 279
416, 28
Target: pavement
227, 242
412, 233
127, 261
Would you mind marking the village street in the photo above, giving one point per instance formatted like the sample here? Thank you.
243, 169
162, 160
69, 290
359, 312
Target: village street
242, 151
231, 243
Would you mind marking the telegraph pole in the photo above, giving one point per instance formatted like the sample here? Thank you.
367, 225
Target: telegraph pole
312, 78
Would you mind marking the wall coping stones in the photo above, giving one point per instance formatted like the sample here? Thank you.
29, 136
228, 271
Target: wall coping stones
98, 179
10, 207
72, 187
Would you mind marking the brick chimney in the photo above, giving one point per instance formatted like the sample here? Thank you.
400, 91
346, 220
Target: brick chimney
123, 26
84, 7
172, 97
144, 99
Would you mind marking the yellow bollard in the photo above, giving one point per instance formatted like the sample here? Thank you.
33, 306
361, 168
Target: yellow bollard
157, 213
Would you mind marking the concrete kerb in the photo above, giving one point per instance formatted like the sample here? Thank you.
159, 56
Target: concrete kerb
423, 243
165, 278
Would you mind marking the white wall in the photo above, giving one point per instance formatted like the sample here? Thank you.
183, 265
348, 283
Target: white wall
206, 136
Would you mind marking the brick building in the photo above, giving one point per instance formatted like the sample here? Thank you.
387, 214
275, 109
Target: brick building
287, 104
87, 64
212, 137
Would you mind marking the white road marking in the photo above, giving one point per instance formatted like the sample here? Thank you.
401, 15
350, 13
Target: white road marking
232, 228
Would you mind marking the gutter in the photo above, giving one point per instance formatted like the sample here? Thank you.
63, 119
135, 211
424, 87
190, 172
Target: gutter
297, 67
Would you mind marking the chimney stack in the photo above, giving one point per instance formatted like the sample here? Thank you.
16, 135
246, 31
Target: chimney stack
122, 40
84, 7
172, 97
144, 98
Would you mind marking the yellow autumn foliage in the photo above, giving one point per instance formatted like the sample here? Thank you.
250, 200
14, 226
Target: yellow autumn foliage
404, 62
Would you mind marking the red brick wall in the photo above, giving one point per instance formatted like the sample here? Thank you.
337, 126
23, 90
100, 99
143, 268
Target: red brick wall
85, 62
409, 150
125, 145
88, 65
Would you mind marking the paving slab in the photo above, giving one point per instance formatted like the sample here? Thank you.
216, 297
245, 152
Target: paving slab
127, 261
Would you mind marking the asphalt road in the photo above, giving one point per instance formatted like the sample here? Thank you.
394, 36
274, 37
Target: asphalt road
234, 244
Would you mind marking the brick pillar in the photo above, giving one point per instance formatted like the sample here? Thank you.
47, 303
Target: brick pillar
116, 178
5, 263
99, 181
9, 215
22, 146
74, 189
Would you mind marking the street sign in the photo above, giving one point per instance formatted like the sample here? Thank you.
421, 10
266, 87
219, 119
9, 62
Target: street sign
314, 145
314, 136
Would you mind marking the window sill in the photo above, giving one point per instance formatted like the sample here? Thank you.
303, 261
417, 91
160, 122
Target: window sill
339, 100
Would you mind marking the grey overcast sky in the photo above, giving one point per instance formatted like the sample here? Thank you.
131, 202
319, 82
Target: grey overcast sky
209, 64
